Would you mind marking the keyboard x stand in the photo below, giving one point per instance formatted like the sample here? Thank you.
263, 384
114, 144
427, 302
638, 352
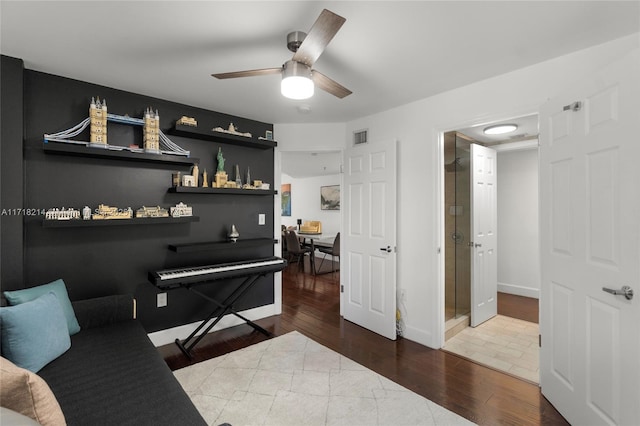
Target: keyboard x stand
222, 309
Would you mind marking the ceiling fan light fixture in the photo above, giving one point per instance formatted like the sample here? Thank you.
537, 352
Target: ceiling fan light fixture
296, 81
500, 129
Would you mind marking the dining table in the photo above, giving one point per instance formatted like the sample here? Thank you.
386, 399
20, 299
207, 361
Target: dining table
313, 240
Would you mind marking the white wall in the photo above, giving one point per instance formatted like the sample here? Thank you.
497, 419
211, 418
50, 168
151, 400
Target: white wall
417, 127
518, 236
310, 137
305, 202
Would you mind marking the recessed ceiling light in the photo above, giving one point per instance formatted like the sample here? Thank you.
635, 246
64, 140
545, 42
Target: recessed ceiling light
500, 129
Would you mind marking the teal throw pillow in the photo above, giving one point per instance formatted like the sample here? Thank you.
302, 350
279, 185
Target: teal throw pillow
34, 333
58, 287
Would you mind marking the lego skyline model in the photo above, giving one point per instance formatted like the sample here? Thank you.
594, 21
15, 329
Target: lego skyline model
232, 130
104, 212
156, 211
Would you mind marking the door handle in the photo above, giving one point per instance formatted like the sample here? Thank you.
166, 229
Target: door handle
387, 249
625, 291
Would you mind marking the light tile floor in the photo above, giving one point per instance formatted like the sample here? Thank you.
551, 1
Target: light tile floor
292, 380
504, 343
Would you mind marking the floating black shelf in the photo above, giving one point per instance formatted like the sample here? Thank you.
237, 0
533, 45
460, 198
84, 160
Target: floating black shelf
85, 151
221, 245
210, 135
77, 223
225, 191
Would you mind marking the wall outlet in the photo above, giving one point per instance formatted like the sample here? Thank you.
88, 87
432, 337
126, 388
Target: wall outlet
161, 300
262, 219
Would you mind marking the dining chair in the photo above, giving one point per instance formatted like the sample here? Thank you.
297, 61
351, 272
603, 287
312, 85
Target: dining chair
333, 251
295, 250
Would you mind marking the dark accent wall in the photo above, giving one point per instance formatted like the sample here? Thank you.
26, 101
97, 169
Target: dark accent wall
96, 261
11, 178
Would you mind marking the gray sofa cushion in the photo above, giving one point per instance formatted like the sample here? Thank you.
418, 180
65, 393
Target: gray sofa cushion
113, 375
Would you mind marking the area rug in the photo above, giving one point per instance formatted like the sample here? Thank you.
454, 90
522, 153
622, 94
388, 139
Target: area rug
292, 380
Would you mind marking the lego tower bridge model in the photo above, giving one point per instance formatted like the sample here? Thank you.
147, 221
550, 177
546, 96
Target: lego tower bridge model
154, 141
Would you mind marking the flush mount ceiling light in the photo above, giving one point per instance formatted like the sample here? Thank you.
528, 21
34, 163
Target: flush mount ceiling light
500, 129
296, 81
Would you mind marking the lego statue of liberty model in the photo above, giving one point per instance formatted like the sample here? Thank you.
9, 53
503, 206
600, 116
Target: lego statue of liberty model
221, 175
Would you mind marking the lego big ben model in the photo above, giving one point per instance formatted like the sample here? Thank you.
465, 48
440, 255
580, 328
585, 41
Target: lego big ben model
98, 117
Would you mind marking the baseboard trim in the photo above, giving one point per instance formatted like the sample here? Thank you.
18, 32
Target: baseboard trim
164, 337
519, 290
417, 335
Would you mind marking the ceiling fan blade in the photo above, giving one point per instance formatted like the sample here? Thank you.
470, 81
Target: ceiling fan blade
249, 73
328, 85
319, 36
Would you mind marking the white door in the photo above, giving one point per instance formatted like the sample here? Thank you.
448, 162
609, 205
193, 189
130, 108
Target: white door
484, 261
590, 239
369, 240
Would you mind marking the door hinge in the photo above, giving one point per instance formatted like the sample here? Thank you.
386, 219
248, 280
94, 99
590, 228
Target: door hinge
539, 340
341, 288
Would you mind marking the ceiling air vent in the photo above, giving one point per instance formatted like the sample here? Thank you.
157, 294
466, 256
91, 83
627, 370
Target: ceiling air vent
359, 137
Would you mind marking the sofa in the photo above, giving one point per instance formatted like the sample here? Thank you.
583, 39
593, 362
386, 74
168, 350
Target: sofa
112, 374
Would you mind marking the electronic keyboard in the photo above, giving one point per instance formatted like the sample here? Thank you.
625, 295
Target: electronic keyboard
178, 277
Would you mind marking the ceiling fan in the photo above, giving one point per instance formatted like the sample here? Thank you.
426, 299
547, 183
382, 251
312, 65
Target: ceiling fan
297, 76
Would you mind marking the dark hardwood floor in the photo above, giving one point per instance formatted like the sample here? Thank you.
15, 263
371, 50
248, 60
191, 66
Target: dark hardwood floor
311, 306
524, 308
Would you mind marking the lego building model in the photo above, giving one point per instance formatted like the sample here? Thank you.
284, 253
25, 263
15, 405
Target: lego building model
195, 172
181, 210
205, 179
151, 131
155, 141
187, 121
188, 180
156, 211
98, 123
62, 214
104, 212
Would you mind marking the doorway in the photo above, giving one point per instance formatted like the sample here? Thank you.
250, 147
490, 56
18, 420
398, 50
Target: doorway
304, 174
506, 342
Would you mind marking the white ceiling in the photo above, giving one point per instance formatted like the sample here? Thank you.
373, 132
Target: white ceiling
388, 53
527, 129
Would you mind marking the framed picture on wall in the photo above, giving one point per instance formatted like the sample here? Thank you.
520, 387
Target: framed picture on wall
285, 190
330, 197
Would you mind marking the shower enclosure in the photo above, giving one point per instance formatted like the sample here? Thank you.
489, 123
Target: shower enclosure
457, 180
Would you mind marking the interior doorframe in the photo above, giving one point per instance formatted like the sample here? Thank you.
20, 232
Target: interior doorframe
277, 217
440, 130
